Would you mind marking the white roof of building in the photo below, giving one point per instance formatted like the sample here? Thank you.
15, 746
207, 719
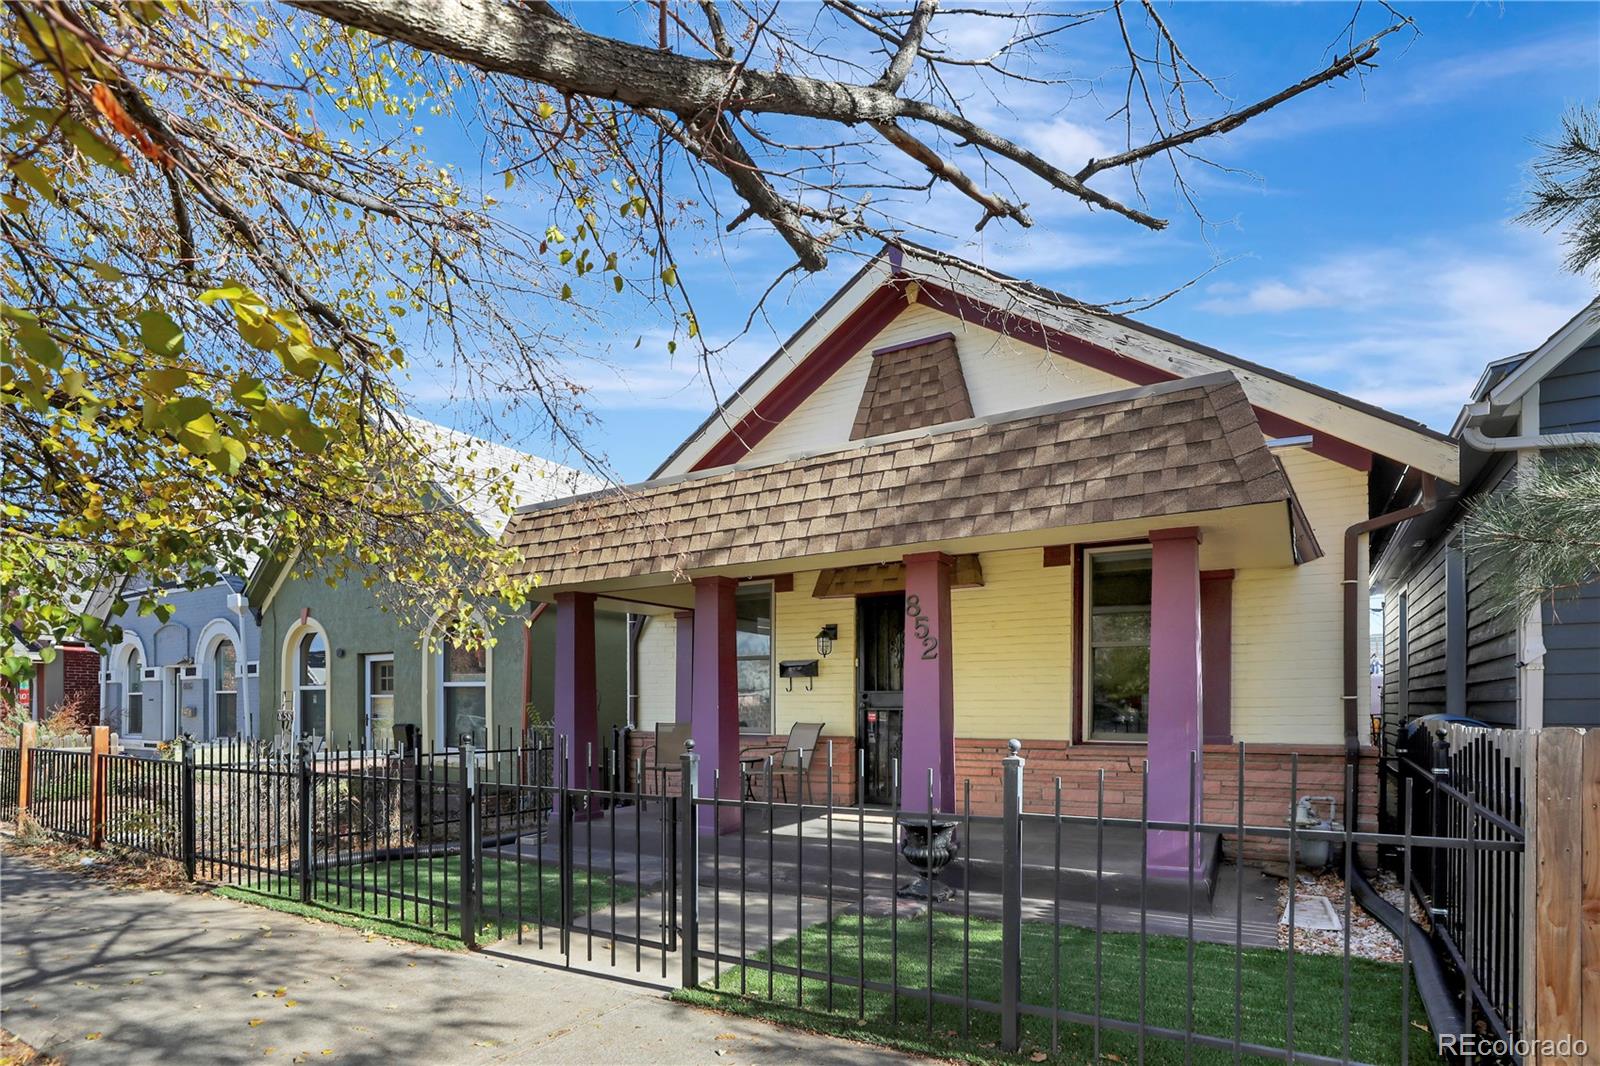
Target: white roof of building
485, 466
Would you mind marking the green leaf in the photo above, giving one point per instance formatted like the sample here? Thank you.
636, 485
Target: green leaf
105, 271
90, 144
160, 383
249, 390
159, 333
229, 457
39, 344
669, 276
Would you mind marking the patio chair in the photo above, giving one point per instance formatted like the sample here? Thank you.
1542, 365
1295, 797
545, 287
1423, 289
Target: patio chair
664, 755
791, 757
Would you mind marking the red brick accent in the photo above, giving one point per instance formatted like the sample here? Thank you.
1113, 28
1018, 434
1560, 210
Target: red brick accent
1267, 794
844, 767
81, 668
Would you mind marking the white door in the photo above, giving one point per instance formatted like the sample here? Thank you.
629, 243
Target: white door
380, 702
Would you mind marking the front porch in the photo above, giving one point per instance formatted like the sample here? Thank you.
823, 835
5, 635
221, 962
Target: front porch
1064, 576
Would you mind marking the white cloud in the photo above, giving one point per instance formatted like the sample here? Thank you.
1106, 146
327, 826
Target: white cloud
1409, 327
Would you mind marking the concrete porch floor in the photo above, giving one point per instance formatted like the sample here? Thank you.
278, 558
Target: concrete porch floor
789, 861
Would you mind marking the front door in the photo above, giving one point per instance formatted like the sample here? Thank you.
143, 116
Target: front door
880, 623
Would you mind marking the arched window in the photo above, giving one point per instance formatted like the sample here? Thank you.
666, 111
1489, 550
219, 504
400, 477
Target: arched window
311, 685
134, 712
464, 682
225, 679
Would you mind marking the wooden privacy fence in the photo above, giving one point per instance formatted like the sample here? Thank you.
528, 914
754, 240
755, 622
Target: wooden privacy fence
1561, 918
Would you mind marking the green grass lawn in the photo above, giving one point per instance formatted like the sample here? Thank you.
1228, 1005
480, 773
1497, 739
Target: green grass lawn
513, 893
1374, 994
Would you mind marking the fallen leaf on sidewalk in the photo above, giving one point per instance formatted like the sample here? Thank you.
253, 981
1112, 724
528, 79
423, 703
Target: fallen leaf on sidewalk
291, 1003
92, 1036
725, 1036
280, 991
255, 1022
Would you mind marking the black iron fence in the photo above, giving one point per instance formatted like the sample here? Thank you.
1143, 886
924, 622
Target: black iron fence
60, 790
1468, 786
10, 782
1021, 928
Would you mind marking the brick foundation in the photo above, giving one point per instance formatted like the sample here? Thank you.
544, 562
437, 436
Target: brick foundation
1267, 772
1267, 792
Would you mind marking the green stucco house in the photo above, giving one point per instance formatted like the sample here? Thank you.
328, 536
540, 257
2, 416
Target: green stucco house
335, 664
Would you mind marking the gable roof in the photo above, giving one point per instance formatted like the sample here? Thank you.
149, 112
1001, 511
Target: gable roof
1344, 428
482, 464
1162, 450
1536, 365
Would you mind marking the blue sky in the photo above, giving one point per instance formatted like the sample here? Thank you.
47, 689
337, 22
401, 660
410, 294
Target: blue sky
1368, 245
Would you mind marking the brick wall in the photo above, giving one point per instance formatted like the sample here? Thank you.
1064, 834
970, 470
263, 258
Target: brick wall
81, 683
1267, 773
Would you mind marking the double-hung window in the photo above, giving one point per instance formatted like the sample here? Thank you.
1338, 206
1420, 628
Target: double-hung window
1117, 643
753, 650
311, 685
464, 683
225, 676
135, 697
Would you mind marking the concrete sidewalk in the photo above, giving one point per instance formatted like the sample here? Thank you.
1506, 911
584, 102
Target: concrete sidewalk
167, 978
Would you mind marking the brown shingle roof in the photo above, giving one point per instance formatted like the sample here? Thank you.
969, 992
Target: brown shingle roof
1167, 449
912, 386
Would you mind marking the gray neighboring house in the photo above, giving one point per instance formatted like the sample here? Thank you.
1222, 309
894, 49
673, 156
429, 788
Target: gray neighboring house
339, 665
1446, 649
195, 673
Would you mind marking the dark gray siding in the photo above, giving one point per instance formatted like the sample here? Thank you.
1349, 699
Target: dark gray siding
1569, 396
1491, 637
1569, 402
1426, 627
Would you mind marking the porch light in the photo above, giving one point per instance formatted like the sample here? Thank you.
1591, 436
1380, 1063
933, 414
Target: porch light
825, 638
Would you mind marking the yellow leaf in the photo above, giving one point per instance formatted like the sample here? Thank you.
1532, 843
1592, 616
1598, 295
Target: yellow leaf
92, 1036
255, 1022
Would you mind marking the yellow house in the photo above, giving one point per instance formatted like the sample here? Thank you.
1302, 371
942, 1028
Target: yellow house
955, 509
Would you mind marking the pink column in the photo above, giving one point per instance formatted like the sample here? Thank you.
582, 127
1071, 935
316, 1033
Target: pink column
1175, 693
715, 701
927, 727
577, 707
684, 702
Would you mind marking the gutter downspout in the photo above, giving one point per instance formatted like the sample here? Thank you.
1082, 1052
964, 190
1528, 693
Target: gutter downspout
1476, 439
527, 662
1352, 630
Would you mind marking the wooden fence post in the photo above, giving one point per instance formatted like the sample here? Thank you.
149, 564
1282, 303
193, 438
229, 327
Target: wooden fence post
1562, 901
99, 748
30, 737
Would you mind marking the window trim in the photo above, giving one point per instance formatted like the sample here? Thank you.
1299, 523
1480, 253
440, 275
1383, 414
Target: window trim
1085, 643
439, 741
217, 691
772, 655
368, 661
130, 676
297, 637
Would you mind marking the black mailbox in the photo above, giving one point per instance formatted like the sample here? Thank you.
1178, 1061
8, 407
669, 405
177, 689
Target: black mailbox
793, 668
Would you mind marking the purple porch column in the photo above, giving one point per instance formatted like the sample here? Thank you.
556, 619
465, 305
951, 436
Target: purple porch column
684, 703
577, 706
927, 727
715, 700
1175, 693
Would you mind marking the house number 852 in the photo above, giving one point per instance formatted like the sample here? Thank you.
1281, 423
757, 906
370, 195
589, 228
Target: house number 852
919, 626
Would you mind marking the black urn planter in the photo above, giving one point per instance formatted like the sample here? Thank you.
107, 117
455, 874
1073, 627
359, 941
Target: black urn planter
928, 857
